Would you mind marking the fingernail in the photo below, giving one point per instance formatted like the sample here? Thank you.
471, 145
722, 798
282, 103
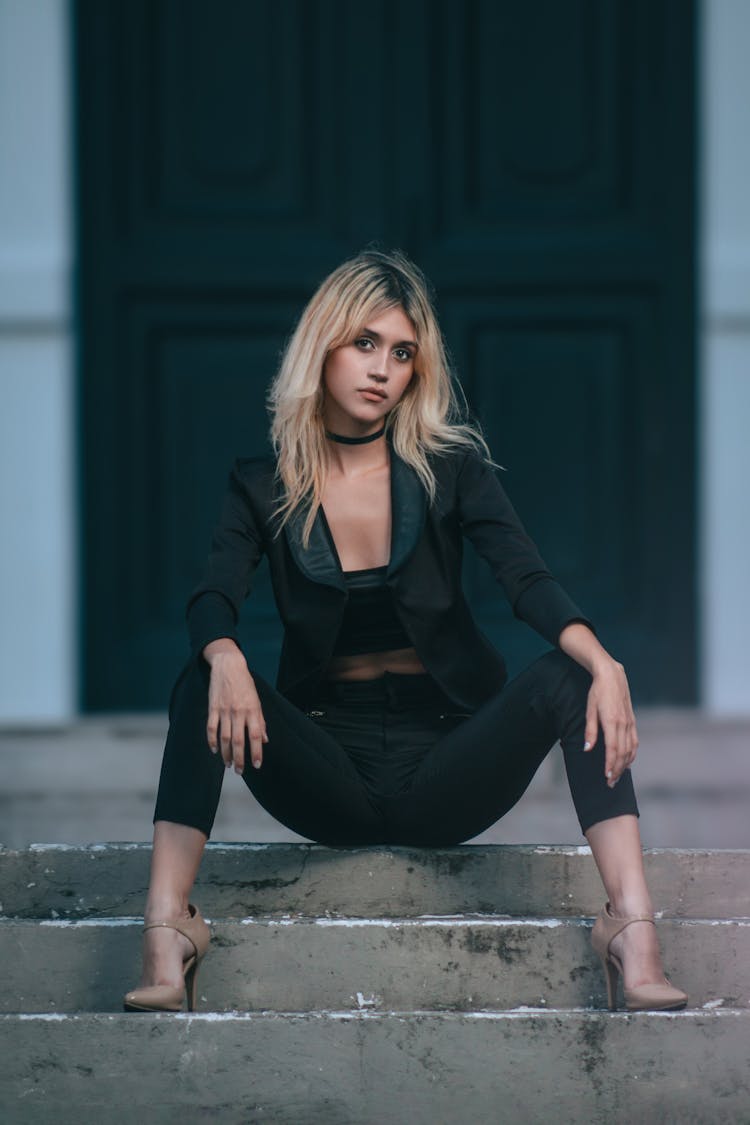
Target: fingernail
609, 773
256, 765
237, 769
587, 745
228, 765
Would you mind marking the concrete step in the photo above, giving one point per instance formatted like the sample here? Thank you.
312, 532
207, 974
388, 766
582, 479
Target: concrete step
300, 964
59, 881
345, 1068
376, 985
689, 798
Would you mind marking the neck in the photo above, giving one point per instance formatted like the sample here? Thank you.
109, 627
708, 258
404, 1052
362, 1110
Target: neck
355, 458
345, 439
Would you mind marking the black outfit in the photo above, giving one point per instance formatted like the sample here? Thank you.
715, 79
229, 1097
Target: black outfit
413, 759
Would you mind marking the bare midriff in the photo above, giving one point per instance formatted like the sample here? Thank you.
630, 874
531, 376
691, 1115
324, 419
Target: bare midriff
371, 665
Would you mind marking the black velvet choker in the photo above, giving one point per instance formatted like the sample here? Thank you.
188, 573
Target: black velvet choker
355, 440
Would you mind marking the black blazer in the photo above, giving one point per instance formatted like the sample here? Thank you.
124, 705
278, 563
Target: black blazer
424, 575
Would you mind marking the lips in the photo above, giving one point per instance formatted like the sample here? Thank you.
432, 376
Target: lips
373, 391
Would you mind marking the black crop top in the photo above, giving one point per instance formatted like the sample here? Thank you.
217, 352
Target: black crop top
370, 621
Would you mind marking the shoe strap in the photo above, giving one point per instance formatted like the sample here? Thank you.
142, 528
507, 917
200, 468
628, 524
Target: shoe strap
176, 925
613, 918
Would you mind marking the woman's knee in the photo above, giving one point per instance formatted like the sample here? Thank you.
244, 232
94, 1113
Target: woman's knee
561, 674
190, 690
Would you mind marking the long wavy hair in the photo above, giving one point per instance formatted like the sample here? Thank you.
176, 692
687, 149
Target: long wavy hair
430, 417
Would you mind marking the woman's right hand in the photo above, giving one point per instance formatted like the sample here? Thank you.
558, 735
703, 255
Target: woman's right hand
234, 709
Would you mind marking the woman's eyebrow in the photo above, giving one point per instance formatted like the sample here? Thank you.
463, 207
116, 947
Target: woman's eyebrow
400, 344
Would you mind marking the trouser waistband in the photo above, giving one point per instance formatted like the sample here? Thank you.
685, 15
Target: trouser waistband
392, 688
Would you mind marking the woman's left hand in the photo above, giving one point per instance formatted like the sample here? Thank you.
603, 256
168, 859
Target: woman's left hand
609, 708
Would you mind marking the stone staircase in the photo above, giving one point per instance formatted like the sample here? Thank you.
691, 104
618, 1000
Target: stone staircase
371, 985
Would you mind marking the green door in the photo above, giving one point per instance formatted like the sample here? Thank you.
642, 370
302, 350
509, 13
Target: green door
536, 160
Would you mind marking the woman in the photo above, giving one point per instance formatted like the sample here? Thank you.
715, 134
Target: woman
391, 721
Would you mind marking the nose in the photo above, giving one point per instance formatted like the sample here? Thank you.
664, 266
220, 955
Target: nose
379, 365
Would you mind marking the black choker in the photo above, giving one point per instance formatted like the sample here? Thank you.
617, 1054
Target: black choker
355, 440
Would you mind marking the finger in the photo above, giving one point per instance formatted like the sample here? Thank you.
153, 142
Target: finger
256, 742
255, 735
238, 742
225, 738
591, 732
212, 730
634, 747
611, 754
620, 753
628, 745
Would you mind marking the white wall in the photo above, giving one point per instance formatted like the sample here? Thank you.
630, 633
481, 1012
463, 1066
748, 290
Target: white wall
37, 512
725, 390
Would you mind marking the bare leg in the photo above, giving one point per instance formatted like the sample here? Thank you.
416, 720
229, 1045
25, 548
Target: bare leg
616, 847
175, 860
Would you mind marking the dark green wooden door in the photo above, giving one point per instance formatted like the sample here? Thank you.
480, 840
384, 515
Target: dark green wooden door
536, 160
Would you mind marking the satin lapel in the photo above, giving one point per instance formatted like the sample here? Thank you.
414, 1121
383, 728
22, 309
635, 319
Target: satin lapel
318, 562
408, 508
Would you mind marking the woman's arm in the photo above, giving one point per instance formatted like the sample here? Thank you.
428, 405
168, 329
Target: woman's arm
236, 549
234, 709
490, 522
233, 706
609, 704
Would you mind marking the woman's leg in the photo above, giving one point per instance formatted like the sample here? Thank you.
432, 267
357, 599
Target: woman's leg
478, 771
616, 847
175, 859
615, 841
306, 781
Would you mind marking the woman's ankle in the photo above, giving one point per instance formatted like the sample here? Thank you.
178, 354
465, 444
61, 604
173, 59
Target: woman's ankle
165, 908
626, 905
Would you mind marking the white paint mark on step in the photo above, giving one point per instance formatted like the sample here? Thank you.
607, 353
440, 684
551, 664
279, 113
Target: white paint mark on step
74, 923
558, 849
458, 920
370, 1002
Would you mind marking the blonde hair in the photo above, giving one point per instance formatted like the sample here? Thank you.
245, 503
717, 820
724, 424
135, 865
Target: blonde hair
431, 415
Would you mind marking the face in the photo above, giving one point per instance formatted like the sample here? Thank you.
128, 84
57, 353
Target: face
363, 380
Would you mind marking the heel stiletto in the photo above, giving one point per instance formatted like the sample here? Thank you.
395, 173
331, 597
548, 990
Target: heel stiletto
165, 997
644, 998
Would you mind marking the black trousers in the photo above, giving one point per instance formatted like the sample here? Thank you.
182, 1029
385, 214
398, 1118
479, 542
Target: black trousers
391, 761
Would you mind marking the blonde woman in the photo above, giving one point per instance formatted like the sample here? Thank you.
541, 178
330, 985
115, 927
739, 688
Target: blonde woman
391, 721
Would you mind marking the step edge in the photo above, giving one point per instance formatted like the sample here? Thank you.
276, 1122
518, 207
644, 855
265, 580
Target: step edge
521, 1012
423, 921
436, 921
570, 850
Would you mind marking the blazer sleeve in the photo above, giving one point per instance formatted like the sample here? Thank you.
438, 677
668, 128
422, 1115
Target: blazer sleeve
489, 521
213, 607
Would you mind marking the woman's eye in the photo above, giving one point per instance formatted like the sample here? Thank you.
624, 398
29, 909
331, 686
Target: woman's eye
364, 342
402, 354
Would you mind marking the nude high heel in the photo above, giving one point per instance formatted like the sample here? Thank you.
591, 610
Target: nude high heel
164, 997
645, 998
